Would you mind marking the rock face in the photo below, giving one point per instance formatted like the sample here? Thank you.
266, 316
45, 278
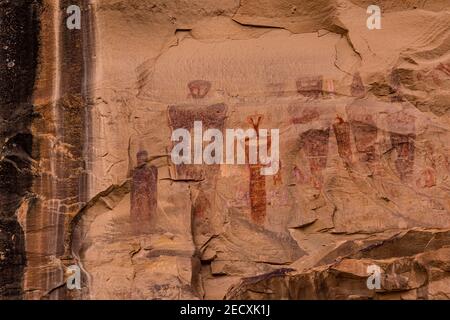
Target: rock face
19, 31
87, 178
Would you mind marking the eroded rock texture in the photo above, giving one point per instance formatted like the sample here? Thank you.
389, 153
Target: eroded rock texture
86, 176
19, 28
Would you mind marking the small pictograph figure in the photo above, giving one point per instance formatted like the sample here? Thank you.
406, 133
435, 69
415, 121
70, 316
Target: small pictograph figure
143, 192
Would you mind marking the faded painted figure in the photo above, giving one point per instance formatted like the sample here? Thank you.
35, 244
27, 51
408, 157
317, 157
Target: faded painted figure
199, 88
257, 187
314, 142
143, 193
403, 136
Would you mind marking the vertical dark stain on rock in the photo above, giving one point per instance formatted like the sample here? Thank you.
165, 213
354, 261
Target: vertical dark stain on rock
201, 216
314, 143
19, 29
357, 89
258, 200
395, 85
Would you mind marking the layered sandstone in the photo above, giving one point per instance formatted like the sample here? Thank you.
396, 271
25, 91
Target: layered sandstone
364, 154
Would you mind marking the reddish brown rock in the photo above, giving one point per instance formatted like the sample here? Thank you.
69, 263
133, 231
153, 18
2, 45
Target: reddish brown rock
310, 87
144, 192
87, 179
199, 88
342, 133
315, 145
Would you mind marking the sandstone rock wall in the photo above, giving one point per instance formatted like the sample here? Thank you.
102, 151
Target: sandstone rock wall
19, 31
364, 151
